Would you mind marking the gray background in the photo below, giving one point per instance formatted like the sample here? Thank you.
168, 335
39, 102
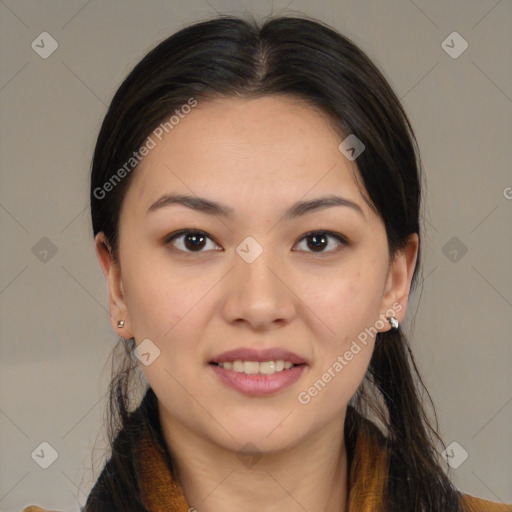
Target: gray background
56, 335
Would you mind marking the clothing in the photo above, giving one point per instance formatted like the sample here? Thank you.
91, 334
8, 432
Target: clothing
367, 476
365, 493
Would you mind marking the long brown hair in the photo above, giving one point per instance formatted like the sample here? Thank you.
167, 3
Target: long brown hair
300, 57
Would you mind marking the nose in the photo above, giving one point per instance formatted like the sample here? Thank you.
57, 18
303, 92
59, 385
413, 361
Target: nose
258, 293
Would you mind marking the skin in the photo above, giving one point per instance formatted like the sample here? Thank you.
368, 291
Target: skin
258, 156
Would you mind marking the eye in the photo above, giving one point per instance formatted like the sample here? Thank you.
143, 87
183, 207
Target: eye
320, 240
193, 240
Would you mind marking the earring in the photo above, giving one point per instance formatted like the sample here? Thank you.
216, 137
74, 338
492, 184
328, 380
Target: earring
393, 321
120, 323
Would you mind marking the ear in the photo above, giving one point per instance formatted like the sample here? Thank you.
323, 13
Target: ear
116, 299
398, 283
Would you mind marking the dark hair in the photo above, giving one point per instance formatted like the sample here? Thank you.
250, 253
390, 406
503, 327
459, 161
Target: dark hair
306, 59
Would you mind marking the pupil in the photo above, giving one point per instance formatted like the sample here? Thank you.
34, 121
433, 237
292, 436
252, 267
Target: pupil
317, 238
194, 237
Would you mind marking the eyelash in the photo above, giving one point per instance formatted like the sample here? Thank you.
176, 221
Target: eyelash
330, 234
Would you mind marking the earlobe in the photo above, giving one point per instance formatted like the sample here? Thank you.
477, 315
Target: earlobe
398, 284
117, 305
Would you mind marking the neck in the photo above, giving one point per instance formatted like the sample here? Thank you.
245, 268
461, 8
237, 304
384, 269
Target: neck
312, 475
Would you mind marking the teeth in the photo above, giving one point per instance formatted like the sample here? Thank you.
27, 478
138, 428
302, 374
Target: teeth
251, 367
267, 367
254, 367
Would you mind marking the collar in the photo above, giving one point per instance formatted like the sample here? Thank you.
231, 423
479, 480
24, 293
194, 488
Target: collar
367, 464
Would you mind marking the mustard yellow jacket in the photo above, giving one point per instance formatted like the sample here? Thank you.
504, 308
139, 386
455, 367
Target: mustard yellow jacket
368, 470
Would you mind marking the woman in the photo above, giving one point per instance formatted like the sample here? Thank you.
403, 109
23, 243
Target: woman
255, 198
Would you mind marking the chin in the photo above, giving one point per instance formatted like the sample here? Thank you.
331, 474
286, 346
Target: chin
266, 435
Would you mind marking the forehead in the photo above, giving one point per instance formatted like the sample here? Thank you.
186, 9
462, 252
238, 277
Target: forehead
237, 150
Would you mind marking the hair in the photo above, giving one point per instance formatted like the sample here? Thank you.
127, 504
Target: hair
302, 58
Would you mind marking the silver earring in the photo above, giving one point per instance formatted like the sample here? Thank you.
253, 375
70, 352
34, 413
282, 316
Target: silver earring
120, 323
393, 321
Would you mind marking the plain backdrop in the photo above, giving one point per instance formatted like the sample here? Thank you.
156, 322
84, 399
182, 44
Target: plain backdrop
55, 329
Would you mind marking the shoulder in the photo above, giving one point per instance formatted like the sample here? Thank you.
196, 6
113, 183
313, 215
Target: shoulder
472, 504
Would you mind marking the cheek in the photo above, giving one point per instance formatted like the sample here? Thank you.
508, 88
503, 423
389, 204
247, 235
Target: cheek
347, 301
153, 308
350, 307
160, 298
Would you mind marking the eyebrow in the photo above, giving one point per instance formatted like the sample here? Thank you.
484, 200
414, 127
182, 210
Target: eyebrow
209, 207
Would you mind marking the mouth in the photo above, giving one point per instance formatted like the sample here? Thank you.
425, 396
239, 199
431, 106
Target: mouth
253, 372
256, 367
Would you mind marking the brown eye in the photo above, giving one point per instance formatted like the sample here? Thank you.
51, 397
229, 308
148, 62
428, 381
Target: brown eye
189, 240
317, 241
192, 240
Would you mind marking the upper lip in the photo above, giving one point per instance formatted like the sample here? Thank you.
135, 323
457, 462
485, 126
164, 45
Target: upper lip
249, 354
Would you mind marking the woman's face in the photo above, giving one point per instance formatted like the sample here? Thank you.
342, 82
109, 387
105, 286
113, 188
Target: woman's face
252, 280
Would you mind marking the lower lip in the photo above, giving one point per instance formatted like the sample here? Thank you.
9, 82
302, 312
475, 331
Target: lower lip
259, 384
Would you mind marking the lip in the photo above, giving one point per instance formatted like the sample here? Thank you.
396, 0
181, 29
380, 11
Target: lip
258, 384
248, 354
